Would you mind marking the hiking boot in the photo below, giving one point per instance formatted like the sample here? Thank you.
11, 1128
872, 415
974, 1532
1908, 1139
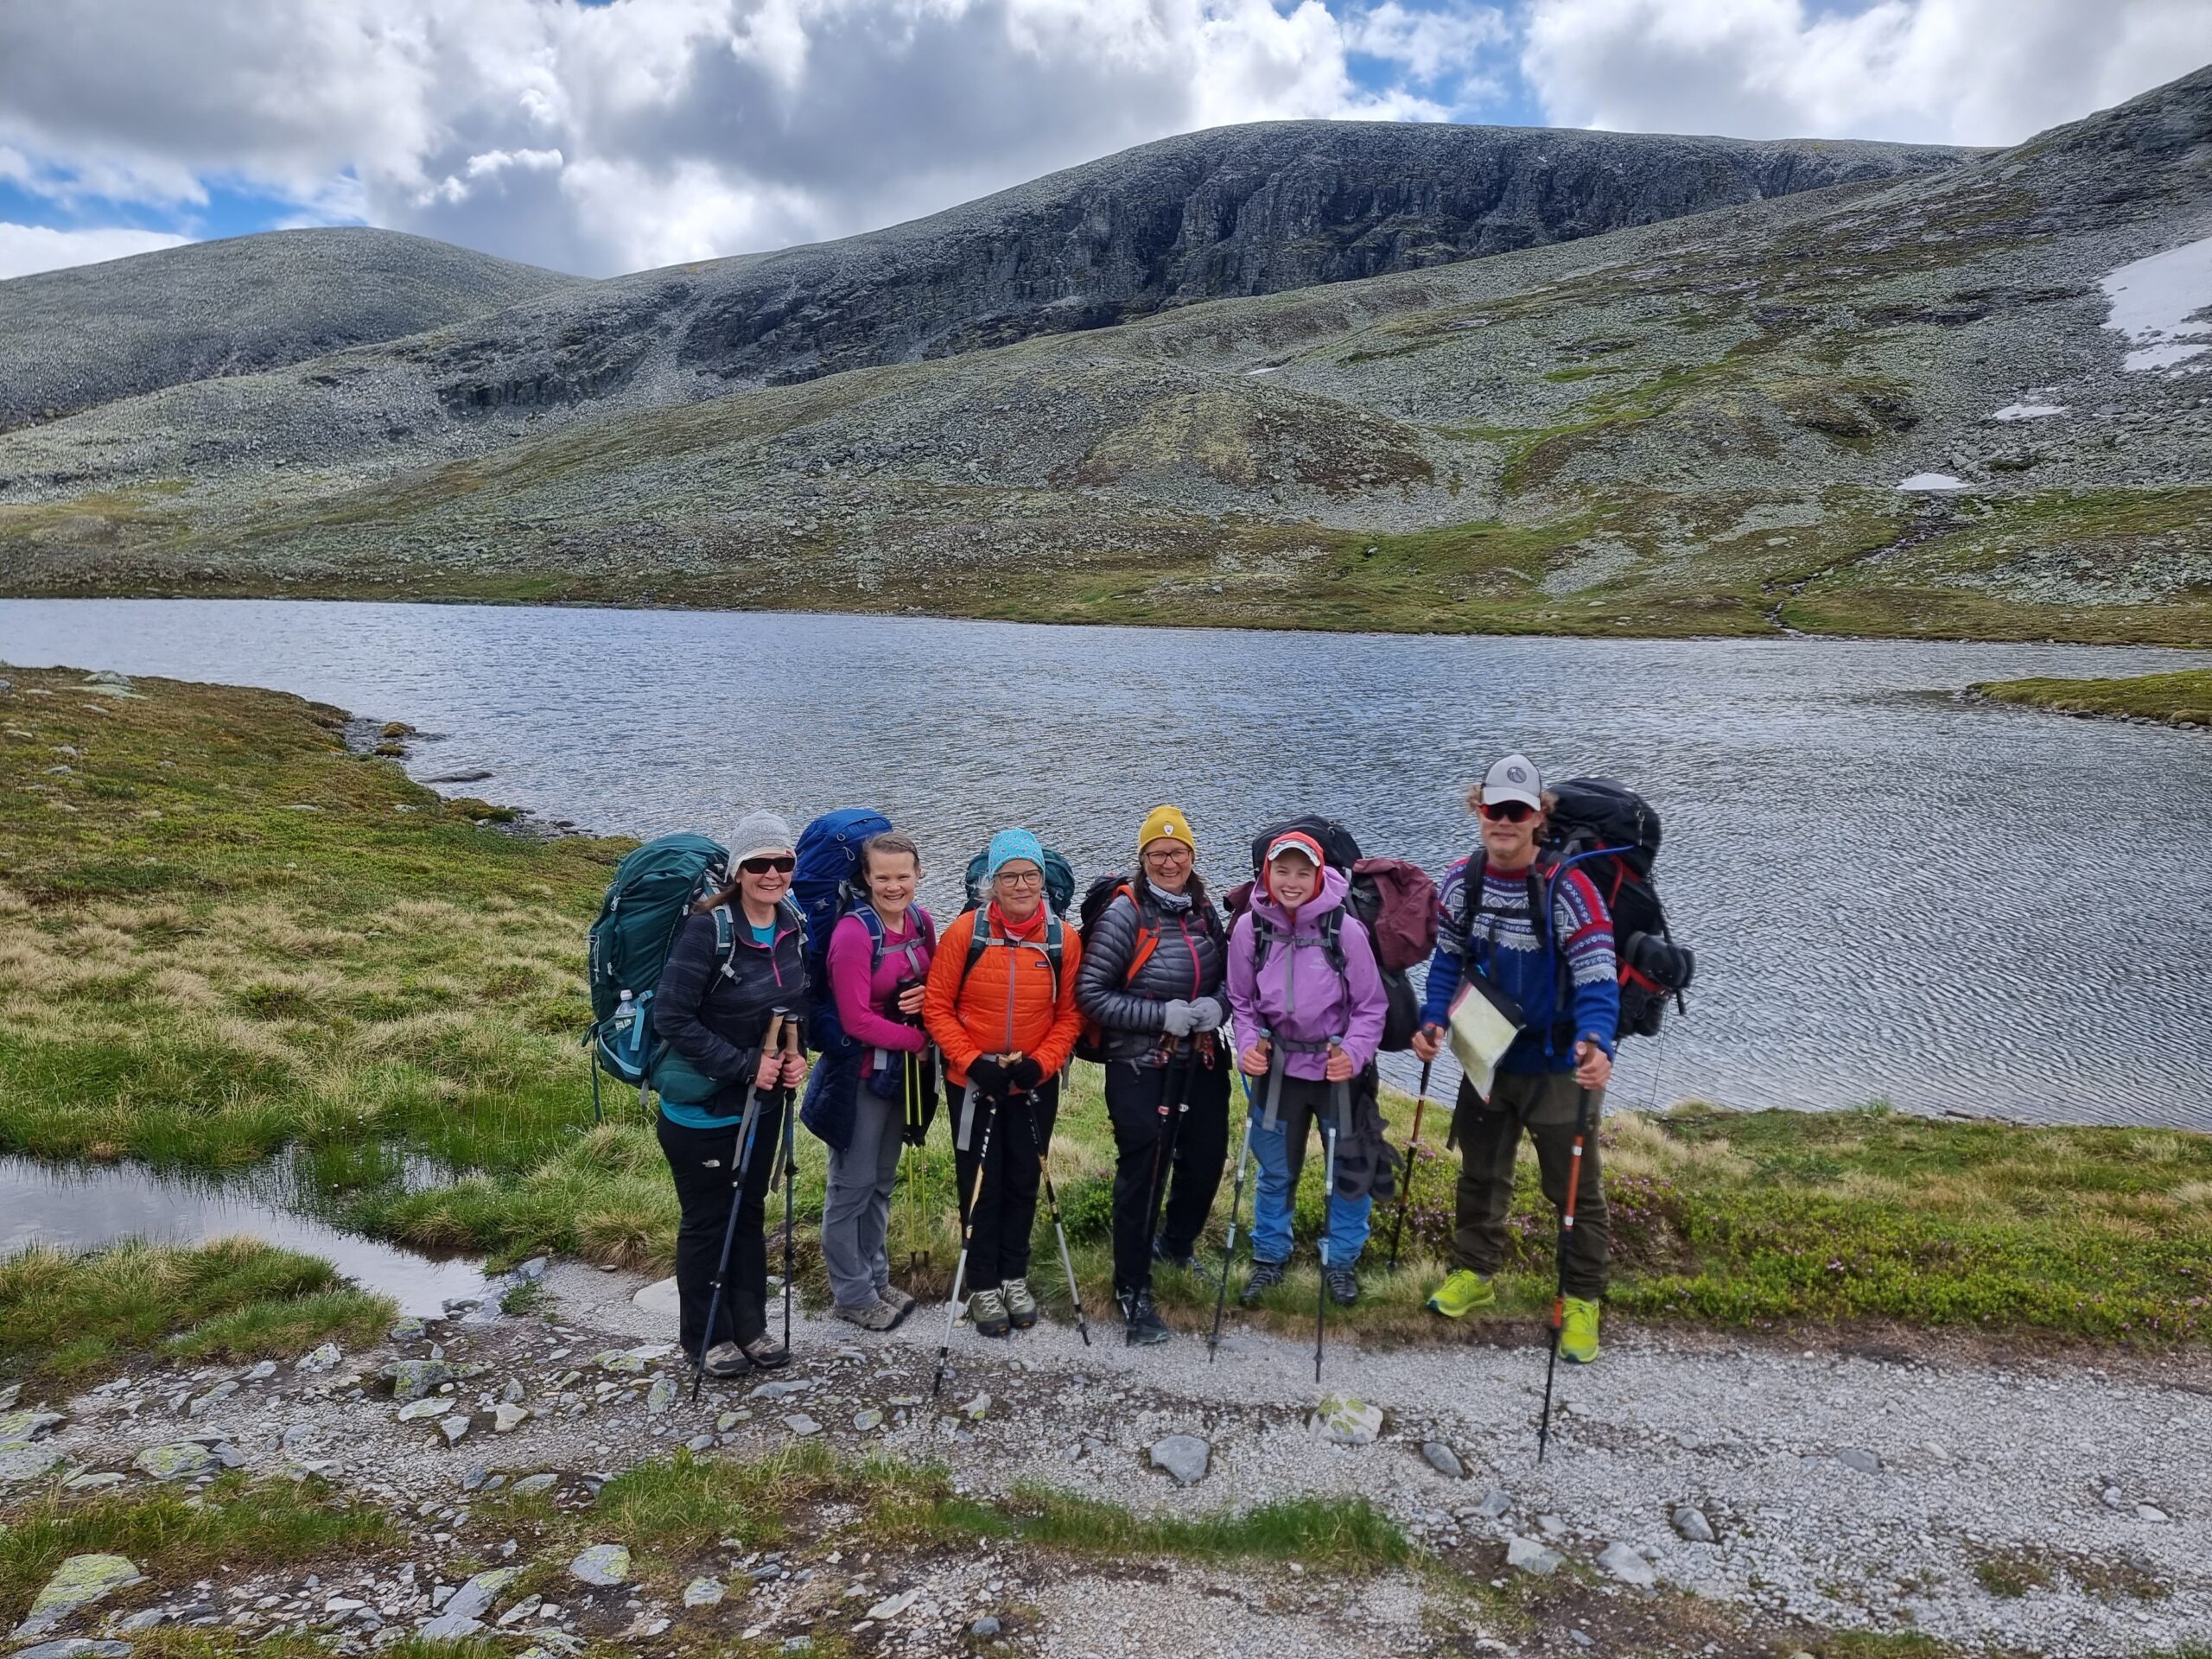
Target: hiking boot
1020, 1306
1185, 1259
727, 1359
1578, 1332
876, 1316
1462, 1293
1142, 1325
901, 1303
1265, 1276
1343, 1286
988, 1309
766, 1352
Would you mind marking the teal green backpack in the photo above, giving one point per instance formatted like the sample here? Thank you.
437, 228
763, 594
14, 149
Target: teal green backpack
653, 891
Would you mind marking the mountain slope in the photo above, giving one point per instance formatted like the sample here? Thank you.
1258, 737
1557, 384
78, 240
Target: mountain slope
1238, 210
71, 340
1690, 426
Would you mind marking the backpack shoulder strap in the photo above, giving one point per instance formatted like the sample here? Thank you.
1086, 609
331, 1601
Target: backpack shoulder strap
1147, 935
873, 923
1056, 944
725, 940
1333, 939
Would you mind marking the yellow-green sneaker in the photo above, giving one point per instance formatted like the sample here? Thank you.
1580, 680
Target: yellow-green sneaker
1462, 1293
1578, 1332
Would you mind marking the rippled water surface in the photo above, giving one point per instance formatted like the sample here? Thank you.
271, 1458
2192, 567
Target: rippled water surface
1893, 894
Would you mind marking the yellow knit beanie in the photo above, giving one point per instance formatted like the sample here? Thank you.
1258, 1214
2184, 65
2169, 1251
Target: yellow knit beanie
1165, 824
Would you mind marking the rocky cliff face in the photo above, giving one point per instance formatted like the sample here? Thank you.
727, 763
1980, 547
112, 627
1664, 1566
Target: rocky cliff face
75, 339
1237, 211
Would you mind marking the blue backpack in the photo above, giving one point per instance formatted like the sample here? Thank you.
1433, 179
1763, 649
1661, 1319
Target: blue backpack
827, 887
653, 891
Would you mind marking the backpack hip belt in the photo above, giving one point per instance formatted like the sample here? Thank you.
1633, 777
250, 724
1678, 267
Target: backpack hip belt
1279, 1049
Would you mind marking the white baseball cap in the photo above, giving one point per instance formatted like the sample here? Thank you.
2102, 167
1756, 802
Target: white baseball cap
1514, 778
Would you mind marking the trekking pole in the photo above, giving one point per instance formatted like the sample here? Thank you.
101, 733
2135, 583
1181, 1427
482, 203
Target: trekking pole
1053, 1204
1565, 1238
791, 1179
966, 1230
740, 1160
1413, 1151
1174, 1090
918, 1150
1236, 1203
1328, 1198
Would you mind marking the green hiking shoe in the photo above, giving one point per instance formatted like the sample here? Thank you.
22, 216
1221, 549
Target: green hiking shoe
1462, 1293
1578, 1333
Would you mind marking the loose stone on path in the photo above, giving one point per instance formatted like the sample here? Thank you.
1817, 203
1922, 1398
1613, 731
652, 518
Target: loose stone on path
602, 1565
1183, 1456
77, 1583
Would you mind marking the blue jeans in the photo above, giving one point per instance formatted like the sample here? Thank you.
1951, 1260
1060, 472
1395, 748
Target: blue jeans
1280, 1153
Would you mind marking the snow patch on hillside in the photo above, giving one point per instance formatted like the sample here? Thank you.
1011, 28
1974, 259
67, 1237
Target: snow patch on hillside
2156, 302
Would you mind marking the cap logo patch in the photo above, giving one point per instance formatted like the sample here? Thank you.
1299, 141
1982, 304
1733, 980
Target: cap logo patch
1517, 775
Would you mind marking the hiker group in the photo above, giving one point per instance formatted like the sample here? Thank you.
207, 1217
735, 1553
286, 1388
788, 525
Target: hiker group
715, 971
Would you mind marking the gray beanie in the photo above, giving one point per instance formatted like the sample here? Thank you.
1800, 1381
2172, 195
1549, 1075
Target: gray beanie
757, 833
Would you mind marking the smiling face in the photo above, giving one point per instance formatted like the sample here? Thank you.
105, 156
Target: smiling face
763, 879
893, 878
1509, 832
1018, 889
1293, 879
1167, 864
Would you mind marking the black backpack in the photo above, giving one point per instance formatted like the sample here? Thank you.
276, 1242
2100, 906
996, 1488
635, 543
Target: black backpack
1611, 834
1365, 899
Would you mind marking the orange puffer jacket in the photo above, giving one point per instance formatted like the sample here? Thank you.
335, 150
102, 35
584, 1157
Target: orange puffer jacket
1009, 1004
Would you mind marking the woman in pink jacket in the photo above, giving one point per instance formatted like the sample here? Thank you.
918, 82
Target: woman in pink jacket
879, 992
1307, 1003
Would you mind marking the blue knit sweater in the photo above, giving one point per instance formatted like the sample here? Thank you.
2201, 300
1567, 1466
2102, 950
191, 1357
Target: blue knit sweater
1504, 949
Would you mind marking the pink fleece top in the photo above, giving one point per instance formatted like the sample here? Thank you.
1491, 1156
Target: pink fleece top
861, 997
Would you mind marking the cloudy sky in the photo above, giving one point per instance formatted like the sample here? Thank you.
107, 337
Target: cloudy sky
602, 137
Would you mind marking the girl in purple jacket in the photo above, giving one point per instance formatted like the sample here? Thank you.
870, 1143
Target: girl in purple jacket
1307, 1003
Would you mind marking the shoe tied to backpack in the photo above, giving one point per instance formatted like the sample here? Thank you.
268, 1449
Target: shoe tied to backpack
1462, 1293
1343, 1286
1578, 1332
1142, 1325
1265, 1276
988, 1309
1020, 1306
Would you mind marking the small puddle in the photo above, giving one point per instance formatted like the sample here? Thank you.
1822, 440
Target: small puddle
78, 1208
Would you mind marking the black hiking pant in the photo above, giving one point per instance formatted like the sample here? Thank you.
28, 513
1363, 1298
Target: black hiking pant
702, 1161
1543, 1104
1005, 1213
1198, 1142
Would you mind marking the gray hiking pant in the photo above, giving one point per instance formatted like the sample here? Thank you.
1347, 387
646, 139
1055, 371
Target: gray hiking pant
856, 1208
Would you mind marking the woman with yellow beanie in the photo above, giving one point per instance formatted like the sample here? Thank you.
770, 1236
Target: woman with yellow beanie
1151, 983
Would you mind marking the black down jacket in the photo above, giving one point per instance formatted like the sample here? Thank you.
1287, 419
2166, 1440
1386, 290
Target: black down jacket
1186, 961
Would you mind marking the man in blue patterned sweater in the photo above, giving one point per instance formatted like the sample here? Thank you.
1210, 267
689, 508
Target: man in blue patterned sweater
1562, 975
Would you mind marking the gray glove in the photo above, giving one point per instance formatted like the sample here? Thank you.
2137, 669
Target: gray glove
1206, 1014
1180, 1019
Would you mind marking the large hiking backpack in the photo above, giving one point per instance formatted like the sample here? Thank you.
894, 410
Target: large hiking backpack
653, 891
1611, 834
1091, 1044
1395, 901
827, 885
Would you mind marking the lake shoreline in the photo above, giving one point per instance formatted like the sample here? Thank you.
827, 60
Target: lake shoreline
2183, 700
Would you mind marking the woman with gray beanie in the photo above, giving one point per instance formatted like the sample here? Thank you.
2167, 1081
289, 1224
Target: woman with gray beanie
737, 962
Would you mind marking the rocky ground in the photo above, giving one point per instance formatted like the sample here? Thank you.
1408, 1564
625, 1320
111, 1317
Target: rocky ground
1710, 1497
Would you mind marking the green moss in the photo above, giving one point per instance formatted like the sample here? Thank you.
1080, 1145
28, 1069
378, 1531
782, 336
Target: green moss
2182, 698
66, 1318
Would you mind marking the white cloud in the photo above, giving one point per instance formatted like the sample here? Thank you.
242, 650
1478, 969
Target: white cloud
1454, 41
1965, 72
612, 137
27, 248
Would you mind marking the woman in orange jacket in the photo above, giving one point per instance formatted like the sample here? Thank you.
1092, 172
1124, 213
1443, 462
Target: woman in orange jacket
1002, 1011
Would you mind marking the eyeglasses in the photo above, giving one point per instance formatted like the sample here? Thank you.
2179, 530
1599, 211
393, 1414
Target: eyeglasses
1507, 811
783, 864
1021, 878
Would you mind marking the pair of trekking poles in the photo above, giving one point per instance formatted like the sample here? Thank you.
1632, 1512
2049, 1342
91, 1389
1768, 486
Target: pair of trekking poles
1557, 1323
991, 1103
782, 1038
1330, 1127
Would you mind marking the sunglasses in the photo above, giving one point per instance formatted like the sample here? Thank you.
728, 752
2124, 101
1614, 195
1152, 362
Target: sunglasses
783, 864
1508, 812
